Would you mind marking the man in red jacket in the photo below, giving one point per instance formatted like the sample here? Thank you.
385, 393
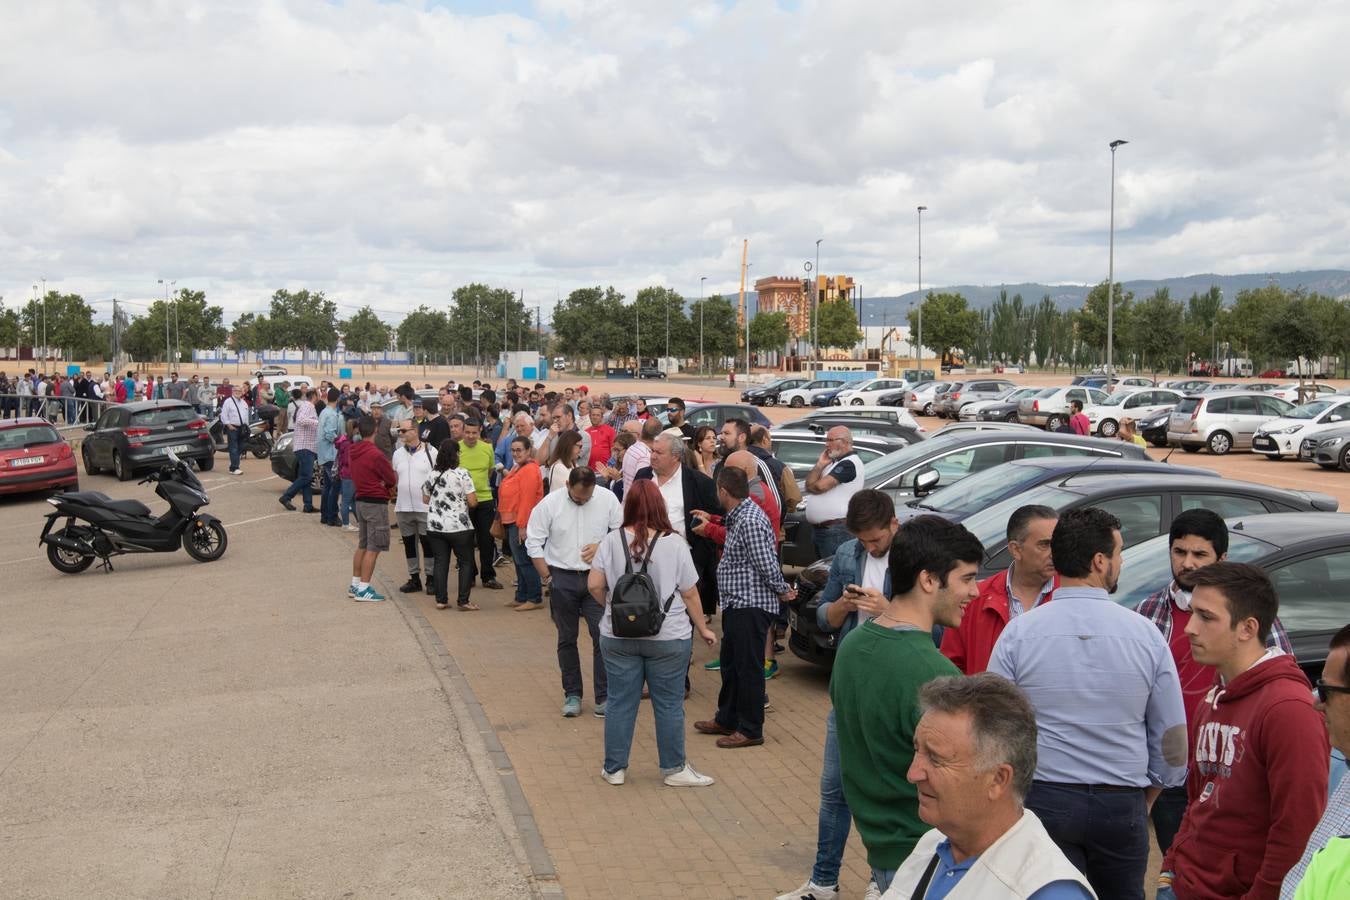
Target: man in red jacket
374, 478
1258, 763
1028, 582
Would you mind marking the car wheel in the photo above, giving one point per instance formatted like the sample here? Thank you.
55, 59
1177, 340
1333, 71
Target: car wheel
928, 409
797, 403
1190, 449
120, 467
1053, 422
206, 463
1220, 442
1108, 428
1345, 460
770, 401
1010, 417
1161, 445
88, 458
857, 401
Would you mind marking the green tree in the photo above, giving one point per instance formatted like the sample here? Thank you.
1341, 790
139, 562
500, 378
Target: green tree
66, 322
1092, 322
657, 307
718, 317
592, 324
364, 333
947, 324
1303, 328
1155, 325
838, 325
486, 320
769, 332
11, 329
305, 319
425, 333
1044, 321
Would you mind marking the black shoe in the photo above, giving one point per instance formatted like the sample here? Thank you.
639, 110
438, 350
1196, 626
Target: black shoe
492, 584
413, 585
431, 586
286, 503
312, 509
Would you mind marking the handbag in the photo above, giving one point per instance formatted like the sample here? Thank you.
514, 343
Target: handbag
635, 607
497, 529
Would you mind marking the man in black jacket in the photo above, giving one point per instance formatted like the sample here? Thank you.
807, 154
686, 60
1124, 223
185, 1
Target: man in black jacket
685, 490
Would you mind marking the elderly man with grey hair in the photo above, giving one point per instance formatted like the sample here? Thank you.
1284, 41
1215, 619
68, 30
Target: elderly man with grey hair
974, 757
687, 492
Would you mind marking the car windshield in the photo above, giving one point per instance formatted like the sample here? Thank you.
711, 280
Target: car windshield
163, 415
977, 491
28, 436
1141, 564
1309, 410
877, 470
990, 525
1046, 392
1114, 400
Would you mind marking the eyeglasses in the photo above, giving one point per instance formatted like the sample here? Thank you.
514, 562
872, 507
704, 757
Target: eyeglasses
1324, 690
672, 409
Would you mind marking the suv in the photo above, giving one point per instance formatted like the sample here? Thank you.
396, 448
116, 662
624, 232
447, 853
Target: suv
802, 396
1129, 403
1050, 408
964, 392
1222, 422
768, 394
650, 372
136, 436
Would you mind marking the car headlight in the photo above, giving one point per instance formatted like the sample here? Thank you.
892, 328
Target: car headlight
1331, 442
1289, 429
284, 442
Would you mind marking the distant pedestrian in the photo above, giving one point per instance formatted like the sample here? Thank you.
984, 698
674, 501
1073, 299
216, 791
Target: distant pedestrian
375, 482
325, 456
476, 456
1078, 420
234, 416
344, 471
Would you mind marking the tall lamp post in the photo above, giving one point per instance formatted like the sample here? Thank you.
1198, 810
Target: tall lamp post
815, 315
701, 280
44, 320
1111, 271
167, 349
919, 362
747, 329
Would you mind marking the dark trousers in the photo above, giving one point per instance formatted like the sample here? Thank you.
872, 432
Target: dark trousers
1103, 833
569, 603
482, 516
410, 542
234, 440
740, 704
304, 474
442, 545
1166, 814
332, 490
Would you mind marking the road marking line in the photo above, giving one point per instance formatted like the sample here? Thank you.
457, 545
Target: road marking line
6, 562
258, 519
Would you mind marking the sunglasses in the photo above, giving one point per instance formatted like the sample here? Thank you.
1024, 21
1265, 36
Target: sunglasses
1325, 690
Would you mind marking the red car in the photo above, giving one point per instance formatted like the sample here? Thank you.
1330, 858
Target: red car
1273, 373
34, 457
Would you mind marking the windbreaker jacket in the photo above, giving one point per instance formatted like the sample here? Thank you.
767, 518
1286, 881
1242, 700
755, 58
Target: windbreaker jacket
971, 646
372, 474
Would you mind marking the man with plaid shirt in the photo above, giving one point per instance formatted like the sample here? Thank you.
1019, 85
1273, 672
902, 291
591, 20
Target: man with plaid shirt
751, 584
1198, 538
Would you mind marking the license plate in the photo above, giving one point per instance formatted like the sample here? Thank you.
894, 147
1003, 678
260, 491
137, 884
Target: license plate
28, 461
177, 448
1261, 442
1305, 452
792, 621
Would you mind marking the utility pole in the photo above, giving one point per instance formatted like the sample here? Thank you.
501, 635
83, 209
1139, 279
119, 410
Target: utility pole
815, 316
702, 279
637, 319
44, 319
167, 349
919, 362
1111, 271
747, 333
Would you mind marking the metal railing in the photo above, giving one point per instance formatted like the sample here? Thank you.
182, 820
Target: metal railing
61, 412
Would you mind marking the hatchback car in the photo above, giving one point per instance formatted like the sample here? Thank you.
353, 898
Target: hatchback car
1129, 403
801, 396
973, 391
1222, 422
827, 398
768, 394
922, 399
1330, 449
867, 392
1154, 428
134, 436
970, 412
34, 457
1282, 437
1306, 555
1051, 407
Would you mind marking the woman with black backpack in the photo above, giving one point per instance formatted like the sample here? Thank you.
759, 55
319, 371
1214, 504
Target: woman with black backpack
644, 576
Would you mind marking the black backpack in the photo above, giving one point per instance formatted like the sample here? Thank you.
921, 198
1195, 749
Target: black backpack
635, 607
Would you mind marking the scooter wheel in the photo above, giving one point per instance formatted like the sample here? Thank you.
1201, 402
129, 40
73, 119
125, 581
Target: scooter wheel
260, 450
205, 543
67, 561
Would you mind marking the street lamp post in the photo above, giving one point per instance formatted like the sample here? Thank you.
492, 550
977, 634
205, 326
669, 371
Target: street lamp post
815, 315
168, 351
919, 349
477, 334
1111, 270
701, 280
637, 331
44, 320
747, 328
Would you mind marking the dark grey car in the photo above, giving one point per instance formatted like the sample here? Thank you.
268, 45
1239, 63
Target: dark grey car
132, 437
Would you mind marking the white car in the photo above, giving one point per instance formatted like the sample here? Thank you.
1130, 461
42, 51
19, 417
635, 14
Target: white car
1129, 403
1281, 437
971, 411
866, 393
803, 395
1129, 383
1315, 390
269, 372
921, 396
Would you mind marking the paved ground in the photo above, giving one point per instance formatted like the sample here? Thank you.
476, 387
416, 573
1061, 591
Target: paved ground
234, 729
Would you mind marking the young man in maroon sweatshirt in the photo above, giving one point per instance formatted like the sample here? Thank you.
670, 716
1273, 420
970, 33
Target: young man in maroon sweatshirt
1258, 764
374, 478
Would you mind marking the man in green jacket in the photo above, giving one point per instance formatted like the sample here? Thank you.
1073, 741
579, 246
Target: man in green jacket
878, 671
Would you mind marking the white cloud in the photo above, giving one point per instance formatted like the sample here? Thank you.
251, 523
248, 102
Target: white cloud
387, 152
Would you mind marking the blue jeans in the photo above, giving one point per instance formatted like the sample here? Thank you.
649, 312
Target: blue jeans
835, 819
528, 587
827, 540
1103, 833
348, 499
883, 878
328, 502
234, 440
304, 474
662, 664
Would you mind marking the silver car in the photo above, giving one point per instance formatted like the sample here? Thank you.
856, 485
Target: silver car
923, 398
1050, 408
1222, 422
973, 391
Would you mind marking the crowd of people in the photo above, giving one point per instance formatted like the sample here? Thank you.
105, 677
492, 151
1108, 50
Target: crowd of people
1007, 737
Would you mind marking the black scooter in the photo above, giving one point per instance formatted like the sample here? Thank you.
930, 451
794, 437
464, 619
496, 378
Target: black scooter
127, 526
258, 442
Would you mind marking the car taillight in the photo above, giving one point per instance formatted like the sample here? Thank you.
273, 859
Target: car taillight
1195, 414
956, 396
136, 432
64, 452
197, 423
1035, 406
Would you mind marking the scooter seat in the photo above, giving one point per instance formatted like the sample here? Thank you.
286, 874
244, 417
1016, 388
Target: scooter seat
98, 498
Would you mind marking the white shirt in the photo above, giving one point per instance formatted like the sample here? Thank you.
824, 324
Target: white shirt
233, 412
559, 528
537, 438
413, 468
673, 492
557, 477
874, 572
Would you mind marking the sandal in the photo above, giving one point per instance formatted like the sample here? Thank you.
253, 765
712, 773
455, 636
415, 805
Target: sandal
467, 607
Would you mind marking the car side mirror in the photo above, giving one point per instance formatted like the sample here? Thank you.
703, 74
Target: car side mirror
926, 481
89, 427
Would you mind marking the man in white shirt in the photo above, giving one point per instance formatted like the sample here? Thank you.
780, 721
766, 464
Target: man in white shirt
234, 416
834, 479
564, 532
413, 461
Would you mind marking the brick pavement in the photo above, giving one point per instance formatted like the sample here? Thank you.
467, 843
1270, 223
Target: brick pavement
751, 835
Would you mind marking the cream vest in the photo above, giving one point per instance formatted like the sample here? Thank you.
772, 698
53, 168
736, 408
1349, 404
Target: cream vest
833, 504
1018, 864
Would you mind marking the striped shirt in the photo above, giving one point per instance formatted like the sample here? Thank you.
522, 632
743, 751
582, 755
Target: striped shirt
306, 427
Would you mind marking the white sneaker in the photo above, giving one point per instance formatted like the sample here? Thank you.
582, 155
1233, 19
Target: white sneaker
350, 528
873, 892
236, 471
687, 777
615, 778
812, 891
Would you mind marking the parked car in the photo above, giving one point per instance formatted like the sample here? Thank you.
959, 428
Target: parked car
1284, 436
1050, 408
1306, 555
268, 372
922, 398
1222, 422
801, 396
971, 411
131, 437
1131, 382
972, 391
799, 450
1186, 385
650, 372
867, 392
1145, 506
1129, 403
968, 427
1273, 373
768, 394
1311, 390
1218, 386
857, 425
1330, 449
34, 457
1005, 410
1154, 428
951, 457
893, 414
716, 414
826, 398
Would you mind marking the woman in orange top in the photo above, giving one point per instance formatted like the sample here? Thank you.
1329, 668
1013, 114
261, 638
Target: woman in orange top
521, 488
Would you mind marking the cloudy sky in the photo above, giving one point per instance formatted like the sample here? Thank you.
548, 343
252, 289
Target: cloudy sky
386, 152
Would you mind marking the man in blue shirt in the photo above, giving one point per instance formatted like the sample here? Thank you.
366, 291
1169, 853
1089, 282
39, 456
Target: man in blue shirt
325, 453
1111, 722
